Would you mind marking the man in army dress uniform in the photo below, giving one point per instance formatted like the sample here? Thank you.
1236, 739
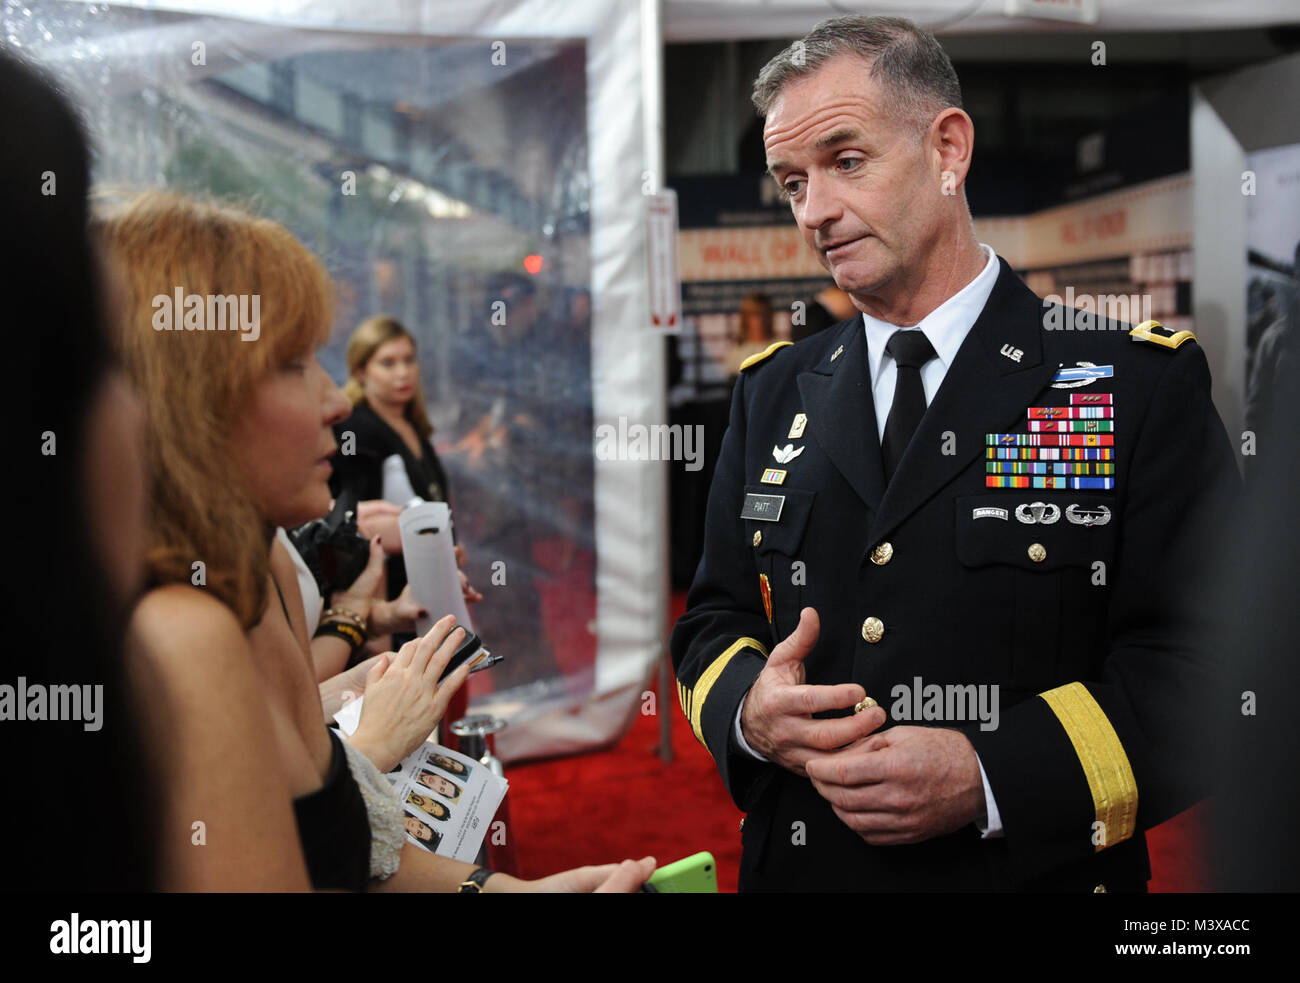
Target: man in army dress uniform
964, 500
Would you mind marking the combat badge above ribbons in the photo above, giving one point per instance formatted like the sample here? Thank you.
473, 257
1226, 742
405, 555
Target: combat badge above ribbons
1081, 374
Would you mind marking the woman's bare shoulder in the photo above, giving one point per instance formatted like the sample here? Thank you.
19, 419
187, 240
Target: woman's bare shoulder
181, 627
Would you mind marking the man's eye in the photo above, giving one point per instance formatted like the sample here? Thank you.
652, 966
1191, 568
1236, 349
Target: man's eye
791, 189
848, 163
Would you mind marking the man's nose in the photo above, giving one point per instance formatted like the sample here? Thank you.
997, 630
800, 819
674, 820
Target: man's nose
821, 204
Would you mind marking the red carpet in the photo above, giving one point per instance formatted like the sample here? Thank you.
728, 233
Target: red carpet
625, 802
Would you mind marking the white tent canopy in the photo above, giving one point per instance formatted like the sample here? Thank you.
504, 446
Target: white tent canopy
715, 20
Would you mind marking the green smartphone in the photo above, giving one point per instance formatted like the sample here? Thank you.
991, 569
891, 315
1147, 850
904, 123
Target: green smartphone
696, 874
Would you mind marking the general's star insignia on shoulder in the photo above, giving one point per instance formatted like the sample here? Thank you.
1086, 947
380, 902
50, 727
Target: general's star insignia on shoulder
759, 356
1158, 334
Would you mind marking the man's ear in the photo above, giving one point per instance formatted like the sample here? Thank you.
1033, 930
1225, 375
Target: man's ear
952, 139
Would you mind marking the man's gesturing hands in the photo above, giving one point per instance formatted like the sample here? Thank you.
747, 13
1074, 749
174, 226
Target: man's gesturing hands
777, 720
904, 785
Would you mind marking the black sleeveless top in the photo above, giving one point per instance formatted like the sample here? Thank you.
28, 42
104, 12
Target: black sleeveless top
334, 828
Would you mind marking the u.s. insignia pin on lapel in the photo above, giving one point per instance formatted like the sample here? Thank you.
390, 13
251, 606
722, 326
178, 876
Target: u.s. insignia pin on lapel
838, 352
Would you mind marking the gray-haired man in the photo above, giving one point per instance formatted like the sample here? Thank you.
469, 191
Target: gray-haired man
944, 506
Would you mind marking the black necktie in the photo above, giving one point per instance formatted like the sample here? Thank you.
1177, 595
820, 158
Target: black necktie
910, 349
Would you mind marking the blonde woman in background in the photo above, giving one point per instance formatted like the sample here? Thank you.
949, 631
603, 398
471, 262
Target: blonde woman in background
388, 424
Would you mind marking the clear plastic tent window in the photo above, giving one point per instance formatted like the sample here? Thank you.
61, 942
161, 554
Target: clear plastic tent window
445, 181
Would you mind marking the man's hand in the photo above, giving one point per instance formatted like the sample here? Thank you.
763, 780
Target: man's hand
904, 785
777, 720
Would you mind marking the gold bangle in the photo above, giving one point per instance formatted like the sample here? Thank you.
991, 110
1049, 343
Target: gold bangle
352, 616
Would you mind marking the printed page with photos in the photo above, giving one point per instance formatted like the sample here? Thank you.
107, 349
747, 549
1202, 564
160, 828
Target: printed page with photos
449, 799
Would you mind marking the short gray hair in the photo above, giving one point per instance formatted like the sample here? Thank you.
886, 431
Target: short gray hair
916, 75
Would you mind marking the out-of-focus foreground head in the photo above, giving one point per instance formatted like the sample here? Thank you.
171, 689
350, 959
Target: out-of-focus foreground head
71, 584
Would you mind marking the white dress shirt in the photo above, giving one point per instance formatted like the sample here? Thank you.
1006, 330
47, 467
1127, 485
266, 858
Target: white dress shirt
945, 328
311, 599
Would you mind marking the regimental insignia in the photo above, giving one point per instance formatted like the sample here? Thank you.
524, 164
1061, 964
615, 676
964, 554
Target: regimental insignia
1087, 399
838, 352
989, 512
1081, 374
797, 427
1071, 412
773, 476
1097, 516
765, 588
1157, 333
1041, 513
786, 454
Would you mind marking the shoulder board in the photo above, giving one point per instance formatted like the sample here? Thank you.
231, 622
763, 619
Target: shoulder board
755, 359
1146, 331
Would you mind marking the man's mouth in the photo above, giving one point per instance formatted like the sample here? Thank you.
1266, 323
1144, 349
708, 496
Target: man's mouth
831, 248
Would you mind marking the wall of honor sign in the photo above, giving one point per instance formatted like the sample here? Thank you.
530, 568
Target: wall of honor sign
771, 252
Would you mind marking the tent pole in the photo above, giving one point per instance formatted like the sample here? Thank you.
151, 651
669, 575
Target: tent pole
652, 117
